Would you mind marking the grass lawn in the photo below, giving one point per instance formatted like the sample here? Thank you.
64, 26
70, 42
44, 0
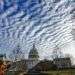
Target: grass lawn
57, 72
61, 72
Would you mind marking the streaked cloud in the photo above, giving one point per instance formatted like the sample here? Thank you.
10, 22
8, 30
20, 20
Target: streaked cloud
42, 21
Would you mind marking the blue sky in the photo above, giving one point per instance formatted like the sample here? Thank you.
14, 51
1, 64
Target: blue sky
45, 22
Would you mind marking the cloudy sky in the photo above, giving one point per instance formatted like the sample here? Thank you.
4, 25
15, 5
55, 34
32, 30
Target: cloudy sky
46, 23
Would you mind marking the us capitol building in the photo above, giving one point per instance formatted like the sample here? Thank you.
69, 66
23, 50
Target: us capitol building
26, 64
33, 62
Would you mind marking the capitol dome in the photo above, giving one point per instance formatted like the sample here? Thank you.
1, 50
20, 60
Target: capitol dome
33, 54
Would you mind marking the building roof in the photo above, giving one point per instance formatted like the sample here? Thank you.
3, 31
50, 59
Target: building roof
59, 59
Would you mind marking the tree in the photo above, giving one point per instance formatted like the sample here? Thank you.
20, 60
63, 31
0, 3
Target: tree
16, 53
57, 52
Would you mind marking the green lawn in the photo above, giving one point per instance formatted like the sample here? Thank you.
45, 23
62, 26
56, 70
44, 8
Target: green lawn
58, 72
61, 72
